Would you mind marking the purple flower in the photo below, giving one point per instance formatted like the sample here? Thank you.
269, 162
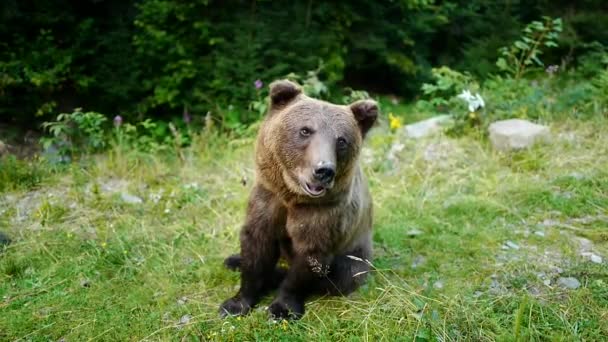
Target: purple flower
552, 69
187, 116
117, 121
258, 84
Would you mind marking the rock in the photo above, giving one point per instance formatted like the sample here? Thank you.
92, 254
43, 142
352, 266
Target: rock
185, 319
594, 258
414, 232
568, 282
425, 127
510, 245
182, 301
4, 239
585, 245
438, 285
549, 223
516, 134
85, 283
131, 199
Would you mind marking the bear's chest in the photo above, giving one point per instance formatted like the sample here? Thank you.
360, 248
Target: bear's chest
321, 229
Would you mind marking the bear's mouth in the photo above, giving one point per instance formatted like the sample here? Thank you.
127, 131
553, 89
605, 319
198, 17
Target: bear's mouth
314, 190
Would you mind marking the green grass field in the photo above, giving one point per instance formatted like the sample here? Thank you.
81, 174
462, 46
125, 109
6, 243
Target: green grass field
469, 245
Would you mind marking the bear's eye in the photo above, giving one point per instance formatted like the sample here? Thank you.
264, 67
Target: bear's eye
342, 143
305, 132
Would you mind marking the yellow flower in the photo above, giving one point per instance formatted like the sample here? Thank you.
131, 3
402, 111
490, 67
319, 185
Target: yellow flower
472, 115
104, 244
394, 122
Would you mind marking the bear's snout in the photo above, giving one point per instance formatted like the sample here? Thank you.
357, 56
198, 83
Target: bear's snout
325, 172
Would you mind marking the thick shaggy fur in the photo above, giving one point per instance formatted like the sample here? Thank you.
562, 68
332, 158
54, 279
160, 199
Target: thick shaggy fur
316, 232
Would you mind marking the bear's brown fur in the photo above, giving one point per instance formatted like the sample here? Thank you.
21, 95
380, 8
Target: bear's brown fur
310, 204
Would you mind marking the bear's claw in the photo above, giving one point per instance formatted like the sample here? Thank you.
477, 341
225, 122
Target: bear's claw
286, 309
234, 307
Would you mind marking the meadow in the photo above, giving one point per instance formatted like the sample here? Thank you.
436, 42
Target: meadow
470, 243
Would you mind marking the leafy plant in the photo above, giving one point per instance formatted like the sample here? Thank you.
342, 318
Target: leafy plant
354, 95
447, 83
523, 54
75, 132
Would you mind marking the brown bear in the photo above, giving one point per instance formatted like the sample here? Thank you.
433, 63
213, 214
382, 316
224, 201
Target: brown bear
310, 204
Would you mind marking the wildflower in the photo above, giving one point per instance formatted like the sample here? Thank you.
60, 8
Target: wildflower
117, 121
475, 102
104, 245
258, 84
552, 69
186, 116
394, 121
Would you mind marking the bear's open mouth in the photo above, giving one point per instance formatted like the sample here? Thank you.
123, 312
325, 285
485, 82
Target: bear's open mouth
314, 190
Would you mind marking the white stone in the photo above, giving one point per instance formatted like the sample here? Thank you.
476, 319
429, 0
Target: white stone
131, 199
425, 127
516, 134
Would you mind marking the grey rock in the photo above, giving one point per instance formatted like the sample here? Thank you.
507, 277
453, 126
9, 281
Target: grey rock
585, 245
426, 127
438, 285
131, 199
516, 134
594, 258
568, 283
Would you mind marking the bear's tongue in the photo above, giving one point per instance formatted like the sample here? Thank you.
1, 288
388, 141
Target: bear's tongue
316, 189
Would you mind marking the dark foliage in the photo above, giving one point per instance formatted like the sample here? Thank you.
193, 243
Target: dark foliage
158, 57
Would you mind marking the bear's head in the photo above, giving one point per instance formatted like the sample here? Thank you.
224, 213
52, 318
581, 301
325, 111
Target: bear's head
308, 149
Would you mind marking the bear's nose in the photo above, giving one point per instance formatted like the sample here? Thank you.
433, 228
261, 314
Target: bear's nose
325, 173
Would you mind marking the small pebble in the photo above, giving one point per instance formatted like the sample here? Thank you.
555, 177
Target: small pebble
185, 319
438, 285
510, 245
414, 232
131, 199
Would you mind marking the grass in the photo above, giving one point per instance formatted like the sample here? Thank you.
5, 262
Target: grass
85, 265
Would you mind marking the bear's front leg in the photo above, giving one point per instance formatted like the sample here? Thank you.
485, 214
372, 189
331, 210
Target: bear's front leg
259, 252
303, 279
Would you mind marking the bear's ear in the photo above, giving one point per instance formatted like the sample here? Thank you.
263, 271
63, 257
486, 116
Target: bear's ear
366, 113
282, 92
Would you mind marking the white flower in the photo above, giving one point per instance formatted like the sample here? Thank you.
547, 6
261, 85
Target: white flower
475, 102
